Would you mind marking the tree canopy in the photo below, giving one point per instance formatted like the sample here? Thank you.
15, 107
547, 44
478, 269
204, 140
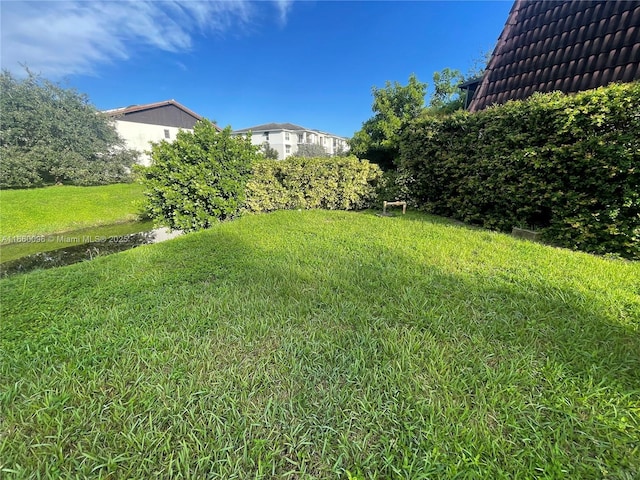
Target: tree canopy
447, 96
311, 150
268, 151
394, 106
51, 134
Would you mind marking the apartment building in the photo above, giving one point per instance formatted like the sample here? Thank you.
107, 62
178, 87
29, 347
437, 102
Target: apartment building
286, 137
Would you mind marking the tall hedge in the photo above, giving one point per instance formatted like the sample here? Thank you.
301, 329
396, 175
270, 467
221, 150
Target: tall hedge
338, 183
568, 165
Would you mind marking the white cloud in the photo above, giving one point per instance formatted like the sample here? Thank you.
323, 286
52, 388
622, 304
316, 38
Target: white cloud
283, 8
59, 38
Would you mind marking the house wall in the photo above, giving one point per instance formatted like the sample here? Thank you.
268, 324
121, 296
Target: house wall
275, 139
139, 135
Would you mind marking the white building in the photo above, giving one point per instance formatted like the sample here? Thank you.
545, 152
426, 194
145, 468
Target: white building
285, 138
139, 125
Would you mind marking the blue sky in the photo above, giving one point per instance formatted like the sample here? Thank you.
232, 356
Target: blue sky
247, 63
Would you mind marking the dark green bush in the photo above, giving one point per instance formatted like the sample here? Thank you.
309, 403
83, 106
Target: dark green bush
568, 165
344, 183
50, 134
394, 186
199, 179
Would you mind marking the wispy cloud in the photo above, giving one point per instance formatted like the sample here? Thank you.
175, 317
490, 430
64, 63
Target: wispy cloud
73, 37
283, 8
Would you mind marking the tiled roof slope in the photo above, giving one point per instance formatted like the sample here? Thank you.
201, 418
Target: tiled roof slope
566, 45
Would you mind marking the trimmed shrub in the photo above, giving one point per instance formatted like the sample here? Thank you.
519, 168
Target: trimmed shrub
199, 179
568, 165
344, 183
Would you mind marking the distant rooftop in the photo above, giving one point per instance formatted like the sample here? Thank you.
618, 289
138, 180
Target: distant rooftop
271, 126
274, 127
149, 106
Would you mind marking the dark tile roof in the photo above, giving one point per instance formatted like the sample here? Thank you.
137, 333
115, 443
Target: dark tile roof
271, 127
565, 45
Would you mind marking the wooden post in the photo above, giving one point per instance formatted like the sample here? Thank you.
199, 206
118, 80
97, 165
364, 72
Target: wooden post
386, 204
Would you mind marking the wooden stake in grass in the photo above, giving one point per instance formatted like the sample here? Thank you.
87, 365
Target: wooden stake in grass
394, 204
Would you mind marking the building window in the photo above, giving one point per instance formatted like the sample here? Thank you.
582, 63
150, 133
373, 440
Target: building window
300, 138
335, 142
266, 136
166, 133
286, 136
287, 149
321, 140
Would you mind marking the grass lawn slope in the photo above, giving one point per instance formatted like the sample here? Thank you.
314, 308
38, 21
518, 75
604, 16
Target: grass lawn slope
56, 209
312, 344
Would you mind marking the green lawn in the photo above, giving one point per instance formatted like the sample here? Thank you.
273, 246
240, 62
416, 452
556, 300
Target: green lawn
312, 344
64, 208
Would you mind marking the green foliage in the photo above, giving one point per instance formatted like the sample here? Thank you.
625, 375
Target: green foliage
478, 65
311, 150
565, 164
199, 179
394, 106
344, 183
341, 151
394, 186
50, 134
447, 96
268, 151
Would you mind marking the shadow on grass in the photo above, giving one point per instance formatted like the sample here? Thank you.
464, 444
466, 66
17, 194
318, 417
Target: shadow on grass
576, 329
414, 216
296, 269
324, 297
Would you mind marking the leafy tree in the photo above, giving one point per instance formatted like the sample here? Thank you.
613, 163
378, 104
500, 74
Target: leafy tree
311, 150
394, 106
447, 97
268, 151
50, 134
478, 65
199, 179
342, 152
